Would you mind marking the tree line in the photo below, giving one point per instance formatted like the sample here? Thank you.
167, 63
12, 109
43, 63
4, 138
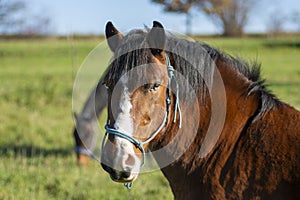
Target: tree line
230, 15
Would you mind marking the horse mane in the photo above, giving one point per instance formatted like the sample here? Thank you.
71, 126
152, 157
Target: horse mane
194, 60
252, 71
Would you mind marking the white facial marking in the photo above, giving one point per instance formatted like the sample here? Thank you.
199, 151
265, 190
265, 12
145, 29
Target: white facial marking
124, 124
124, 121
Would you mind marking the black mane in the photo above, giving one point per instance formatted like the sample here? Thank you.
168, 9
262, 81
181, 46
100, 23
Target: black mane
194, 60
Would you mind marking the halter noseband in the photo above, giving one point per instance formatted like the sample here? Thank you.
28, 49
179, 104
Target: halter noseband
139, 144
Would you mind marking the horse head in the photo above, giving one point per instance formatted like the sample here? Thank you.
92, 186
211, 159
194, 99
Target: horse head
140, 100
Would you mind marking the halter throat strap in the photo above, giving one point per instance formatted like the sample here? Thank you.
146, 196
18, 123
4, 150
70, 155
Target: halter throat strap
139, 144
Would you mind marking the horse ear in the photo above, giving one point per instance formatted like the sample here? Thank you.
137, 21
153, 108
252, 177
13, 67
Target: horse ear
156, 38
113, 36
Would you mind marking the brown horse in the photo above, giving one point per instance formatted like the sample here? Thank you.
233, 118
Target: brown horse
167, 95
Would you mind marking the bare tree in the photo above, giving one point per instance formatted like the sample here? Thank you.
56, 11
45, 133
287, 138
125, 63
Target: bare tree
275, 23
295, 18
230, 15
15, 18
179, 6
9, 10
37, 25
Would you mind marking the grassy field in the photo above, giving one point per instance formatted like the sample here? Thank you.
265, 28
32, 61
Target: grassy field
36, 145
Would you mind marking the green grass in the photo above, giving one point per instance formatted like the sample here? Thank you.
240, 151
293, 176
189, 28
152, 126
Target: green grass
36, 145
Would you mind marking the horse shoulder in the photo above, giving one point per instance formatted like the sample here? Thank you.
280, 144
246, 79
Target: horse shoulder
270, 154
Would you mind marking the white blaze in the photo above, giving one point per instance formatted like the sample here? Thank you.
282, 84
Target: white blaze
124, 124
124, 121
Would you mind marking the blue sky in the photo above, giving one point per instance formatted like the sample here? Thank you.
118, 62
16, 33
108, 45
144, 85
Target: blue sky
90, 16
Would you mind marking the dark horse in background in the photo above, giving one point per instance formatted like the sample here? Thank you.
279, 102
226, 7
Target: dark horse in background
84, 131
257, 153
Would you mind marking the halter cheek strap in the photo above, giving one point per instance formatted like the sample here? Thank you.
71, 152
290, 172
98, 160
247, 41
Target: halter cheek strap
170, 69
139, 144
84, 151
81, 150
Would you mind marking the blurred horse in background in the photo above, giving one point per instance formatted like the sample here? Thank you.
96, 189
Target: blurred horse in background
86, 122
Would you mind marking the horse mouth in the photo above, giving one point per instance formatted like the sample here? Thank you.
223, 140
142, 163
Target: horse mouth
121, 179
124, 176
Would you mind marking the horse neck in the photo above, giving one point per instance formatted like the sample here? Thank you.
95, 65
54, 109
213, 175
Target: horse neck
240, 109
95, 103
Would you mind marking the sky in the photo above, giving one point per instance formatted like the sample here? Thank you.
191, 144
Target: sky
90, 16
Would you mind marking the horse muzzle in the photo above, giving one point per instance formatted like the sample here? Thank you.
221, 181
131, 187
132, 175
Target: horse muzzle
122, 176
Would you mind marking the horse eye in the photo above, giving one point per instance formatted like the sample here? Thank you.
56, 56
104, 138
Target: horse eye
106, 87
156, 85
151, 87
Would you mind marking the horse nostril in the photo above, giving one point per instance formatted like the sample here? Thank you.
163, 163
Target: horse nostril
126, 173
